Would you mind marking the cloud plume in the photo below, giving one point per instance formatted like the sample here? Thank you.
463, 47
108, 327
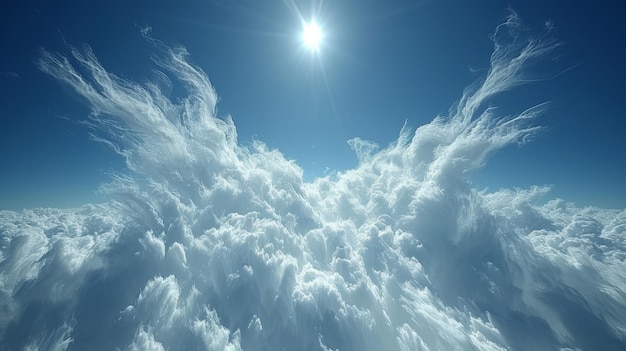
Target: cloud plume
207, 244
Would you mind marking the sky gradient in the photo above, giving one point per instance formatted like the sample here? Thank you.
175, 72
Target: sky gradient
379, 66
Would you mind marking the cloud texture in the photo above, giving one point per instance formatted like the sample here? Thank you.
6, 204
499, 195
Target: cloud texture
210, 245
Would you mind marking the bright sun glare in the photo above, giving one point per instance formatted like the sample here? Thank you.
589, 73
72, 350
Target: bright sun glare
312, 36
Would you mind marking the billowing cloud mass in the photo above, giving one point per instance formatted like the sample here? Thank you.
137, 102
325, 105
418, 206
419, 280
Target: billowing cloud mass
210, 245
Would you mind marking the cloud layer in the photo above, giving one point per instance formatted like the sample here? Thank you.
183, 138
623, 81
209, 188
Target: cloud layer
207, 244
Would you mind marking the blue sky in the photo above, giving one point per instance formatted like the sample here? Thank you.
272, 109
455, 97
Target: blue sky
381, 64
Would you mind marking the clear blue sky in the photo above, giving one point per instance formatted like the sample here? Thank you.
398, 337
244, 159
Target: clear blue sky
381, 63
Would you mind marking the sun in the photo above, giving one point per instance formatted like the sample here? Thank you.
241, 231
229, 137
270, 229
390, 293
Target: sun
312, 36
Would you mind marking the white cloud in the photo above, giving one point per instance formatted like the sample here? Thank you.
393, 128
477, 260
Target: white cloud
144, 341
210, 245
